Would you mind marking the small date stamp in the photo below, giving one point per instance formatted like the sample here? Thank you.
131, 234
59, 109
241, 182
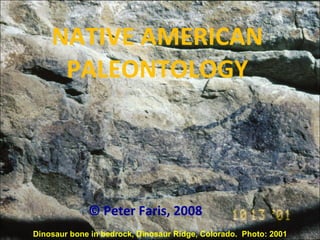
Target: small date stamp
260, 214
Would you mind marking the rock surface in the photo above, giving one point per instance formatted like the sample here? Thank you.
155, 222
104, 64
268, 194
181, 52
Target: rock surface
220, 143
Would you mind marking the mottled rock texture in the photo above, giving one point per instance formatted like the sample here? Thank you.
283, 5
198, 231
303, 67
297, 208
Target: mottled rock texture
221, 143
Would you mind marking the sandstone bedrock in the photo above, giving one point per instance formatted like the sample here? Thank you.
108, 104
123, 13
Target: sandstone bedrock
224, 144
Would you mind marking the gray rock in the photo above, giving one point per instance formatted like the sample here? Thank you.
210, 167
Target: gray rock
223, 144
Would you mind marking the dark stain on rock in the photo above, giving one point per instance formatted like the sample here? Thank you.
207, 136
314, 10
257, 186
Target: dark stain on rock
9, 156
261, 130
282, 128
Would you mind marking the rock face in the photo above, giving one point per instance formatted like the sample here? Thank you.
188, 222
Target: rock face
224, 144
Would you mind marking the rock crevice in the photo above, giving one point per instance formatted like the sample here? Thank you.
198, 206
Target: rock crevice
223, 144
